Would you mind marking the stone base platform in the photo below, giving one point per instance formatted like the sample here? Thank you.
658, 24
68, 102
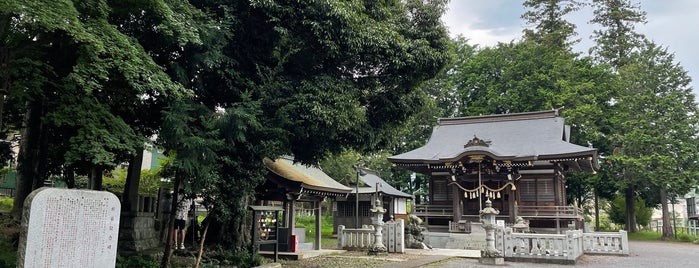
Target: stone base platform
491, 261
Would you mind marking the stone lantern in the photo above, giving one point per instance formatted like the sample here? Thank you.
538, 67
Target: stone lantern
490, 255
377, 221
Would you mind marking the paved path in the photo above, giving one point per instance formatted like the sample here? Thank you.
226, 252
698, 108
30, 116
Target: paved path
642, 254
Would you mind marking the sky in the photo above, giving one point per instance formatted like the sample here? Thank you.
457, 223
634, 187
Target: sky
673, 24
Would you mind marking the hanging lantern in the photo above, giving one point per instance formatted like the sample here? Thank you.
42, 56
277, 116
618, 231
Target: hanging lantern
498, 194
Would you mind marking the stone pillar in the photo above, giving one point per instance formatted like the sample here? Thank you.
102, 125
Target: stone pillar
456, 204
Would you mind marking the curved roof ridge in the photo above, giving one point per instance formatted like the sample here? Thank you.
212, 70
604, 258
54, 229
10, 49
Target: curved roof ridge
309, 176
499, 117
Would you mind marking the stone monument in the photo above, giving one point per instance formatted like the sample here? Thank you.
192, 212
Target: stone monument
69, 228
490, 255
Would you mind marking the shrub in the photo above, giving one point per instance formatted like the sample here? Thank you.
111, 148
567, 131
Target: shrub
8, 254
684, 237
149, 184
238, 258
136, 261
617, 211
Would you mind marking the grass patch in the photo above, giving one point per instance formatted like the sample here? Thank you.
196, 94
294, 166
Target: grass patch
644, 236
328, 243
309, 222
6, 203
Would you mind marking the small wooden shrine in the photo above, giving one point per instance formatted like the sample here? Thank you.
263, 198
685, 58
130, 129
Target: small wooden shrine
289, 183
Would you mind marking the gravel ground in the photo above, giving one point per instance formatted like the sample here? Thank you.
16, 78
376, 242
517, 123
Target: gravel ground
352, 259
642, 254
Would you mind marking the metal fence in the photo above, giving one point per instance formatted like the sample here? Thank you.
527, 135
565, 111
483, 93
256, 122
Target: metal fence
9, 192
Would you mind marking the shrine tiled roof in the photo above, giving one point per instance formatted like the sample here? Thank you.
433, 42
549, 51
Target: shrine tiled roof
371, 180
509, 137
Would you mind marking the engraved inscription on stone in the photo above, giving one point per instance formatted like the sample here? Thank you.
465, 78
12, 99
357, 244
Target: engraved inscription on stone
69, 228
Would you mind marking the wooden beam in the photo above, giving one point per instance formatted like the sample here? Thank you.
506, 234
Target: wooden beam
317, 206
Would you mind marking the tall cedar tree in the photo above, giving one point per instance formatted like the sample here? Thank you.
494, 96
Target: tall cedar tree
615, 42
550, 28
658, 125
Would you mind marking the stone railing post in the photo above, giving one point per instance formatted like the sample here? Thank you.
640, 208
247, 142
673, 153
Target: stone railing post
624, 242
341, 236
499, 238
507, 242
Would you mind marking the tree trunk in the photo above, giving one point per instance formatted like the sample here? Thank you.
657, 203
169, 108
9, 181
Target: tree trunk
95, 181
630, 209
41, 162
667, 228
201, 243
241, 233
596, 211
5, 59
69, 176
27, 161
129, 200
167, 254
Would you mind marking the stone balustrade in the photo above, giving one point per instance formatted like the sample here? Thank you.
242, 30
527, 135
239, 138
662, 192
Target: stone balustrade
606, 243
355, 238
557, 248
364, 238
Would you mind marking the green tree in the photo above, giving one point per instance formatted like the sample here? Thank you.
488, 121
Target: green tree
342, 166
617, 38
658, 124
311, 77
525, 76
615, 42
192, 141
65, 55
550, 28
617, 213
264, 78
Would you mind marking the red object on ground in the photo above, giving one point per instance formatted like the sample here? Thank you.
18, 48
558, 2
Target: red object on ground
294, 243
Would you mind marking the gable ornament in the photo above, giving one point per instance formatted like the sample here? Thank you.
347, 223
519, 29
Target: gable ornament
477, 142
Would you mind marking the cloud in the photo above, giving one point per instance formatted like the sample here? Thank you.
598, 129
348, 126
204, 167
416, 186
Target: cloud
484, 22
669, 24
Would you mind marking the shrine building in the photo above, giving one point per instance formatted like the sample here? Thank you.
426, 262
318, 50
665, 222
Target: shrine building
519, 161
